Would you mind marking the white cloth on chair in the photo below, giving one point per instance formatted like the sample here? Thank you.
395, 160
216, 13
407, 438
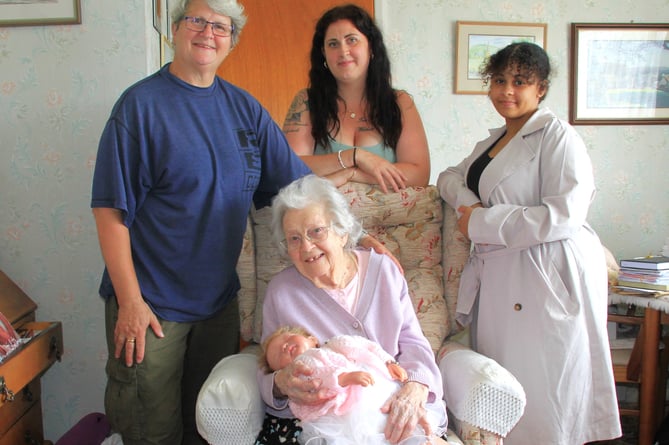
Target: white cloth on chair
229, 408
489, 396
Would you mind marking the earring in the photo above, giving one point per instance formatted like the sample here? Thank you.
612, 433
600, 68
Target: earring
325, 64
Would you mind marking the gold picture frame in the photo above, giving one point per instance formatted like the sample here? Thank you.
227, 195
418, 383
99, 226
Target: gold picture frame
40, 12
161, 18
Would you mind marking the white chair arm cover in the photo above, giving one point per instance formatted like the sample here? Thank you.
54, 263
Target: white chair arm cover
479, 391
229, 408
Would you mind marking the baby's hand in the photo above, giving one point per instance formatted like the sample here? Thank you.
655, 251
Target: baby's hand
355, 378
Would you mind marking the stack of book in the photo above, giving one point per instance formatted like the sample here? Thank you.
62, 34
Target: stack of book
646, 273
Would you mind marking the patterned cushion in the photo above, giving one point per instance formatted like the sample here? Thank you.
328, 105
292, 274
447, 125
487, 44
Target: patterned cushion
455, 254
409, 224
472, 435
246, 269
268, 260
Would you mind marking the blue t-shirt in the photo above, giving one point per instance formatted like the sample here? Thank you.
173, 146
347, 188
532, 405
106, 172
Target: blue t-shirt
184, 165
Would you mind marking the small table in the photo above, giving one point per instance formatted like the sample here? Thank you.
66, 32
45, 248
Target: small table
654, 307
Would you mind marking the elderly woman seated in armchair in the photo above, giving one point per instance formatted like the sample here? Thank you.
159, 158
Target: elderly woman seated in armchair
332, 289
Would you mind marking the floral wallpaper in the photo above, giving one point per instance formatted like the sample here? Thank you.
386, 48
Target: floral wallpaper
58, 84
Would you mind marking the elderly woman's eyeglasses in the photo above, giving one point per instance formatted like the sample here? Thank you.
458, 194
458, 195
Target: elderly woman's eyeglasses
313, 235
199, 24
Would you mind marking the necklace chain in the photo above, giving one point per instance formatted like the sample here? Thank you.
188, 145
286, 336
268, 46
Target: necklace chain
351, 114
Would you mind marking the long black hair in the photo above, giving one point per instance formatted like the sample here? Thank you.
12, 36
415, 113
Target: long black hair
384, 112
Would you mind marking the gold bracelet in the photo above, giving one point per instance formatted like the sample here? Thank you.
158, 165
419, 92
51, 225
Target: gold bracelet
340, 161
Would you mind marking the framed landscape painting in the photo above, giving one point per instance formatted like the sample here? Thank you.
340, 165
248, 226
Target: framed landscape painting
620, 74
476, 41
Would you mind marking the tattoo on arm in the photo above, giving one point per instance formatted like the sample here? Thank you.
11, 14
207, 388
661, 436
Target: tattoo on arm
300, 105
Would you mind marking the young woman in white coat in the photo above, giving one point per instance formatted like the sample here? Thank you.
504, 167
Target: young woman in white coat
535, 286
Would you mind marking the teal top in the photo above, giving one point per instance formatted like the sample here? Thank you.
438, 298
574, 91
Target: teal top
379, 149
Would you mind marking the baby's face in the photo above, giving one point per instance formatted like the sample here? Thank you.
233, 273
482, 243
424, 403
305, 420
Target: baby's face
283, 349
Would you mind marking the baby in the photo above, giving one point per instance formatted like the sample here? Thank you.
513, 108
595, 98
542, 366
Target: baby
356, 370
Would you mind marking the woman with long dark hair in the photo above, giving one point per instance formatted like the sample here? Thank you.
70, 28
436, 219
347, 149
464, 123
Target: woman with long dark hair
350, 124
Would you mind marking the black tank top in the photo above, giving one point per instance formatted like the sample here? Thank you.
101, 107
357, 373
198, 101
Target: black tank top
476, 170
477, 167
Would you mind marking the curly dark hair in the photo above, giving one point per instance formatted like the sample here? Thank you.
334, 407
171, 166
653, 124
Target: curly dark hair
384, 112
528, 58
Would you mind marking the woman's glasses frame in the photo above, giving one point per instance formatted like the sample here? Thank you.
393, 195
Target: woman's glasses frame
314, 235
199, 24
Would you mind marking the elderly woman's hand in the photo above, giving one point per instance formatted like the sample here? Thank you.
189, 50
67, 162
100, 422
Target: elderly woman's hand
406, 409
295, 382
370, 242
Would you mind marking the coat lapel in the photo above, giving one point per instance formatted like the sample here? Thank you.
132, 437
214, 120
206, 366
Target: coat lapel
520, 150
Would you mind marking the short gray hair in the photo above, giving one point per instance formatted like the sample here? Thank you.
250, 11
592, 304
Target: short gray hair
313, 190
228, 8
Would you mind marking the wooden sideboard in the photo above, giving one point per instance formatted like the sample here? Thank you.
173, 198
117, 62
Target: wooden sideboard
21, 370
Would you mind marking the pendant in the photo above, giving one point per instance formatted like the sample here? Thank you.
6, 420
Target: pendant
352, 115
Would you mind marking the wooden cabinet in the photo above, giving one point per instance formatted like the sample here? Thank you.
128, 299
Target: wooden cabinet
20, 371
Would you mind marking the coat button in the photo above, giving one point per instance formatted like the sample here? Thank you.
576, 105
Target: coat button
518, 307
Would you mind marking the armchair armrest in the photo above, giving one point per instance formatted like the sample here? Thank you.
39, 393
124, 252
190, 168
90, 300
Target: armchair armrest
229, 408
479, 391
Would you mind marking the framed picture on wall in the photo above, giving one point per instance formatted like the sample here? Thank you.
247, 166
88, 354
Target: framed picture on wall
620, 74
166, 50
39, 12
476, 41
161, 18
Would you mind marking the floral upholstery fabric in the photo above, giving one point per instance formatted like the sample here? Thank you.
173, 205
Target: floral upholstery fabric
409, 223
455, 254
246, 270
472, 435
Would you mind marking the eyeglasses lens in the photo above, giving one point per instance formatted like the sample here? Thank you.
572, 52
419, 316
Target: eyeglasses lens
314, 235
199, 24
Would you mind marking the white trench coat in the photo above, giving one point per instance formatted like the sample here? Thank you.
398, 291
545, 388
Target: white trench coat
536, 284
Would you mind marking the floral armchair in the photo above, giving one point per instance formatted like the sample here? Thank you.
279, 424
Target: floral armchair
484, 400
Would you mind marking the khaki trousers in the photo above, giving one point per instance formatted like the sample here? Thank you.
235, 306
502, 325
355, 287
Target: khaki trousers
153, 403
